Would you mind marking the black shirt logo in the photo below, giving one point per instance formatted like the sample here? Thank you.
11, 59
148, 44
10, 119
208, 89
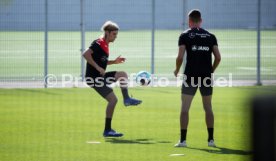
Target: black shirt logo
103, 58
194, 48
191, 35
200, 48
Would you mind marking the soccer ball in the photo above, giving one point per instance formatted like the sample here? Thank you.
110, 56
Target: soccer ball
143, 78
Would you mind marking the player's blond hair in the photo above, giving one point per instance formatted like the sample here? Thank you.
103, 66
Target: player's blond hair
110, 26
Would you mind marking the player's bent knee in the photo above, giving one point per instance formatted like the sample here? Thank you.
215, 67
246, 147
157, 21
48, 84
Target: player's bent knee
113, 100
121, 74
112, 104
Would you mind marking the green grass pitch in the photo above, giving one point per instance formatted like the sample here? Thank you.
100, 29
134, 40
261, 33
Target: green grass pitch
55, 124
22, 53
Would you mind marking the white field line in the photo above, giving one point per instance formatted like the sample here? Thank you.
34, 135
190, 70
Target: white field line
254, 69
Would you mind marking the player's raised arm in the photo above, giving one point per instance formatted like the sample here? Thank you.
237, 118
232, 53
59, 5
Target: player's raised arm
118, 60
217, 56
87, 54
179, 59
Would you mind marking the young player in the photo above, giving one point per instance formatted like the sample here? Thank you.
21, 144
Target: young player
199, 45
97, 77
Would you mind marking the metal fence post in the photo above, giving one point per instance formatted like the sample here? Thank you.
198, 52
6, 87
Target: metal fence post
46, 46
82, 25
185, 26
259, 43
152, 36
184, 14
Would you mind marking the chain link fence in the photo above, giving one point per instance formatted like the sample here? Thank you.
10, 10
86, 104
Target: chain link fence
44, 37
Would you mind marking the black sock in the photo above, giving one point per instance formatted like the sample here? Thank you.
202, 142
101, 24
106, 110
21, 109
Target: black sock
183, 133
210, 134
125, 93
107, 124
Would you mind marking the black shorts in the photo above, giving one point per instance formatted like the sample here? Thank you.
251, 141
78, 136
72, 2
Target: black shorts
189, 88
100, 84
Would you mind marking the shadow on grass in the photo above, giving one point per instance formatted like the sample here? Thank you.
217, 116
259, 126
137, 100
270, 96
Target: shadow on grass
134, 141
221, 150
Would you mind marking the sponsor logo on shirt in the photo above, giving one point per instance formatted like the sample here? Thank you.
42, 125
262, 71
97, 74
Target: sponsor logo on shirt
103, 58
200, 48
191, 35
203, 35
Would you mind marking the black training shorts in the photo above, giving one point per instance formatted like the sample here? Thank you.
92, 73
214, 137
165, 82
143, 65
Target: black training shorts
190, 86
100, 84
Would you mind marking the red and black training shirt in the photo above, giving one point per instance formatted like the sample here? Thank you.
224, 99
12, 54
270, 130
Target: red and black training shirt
100, 56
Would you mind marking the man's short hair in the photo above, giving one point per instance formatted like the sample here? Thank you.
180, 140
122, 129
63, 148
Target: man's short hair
110, 26
195, 15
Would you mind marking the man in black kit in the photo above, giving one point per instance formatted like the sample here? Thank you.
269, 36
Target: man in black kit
97, 77
199, 45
